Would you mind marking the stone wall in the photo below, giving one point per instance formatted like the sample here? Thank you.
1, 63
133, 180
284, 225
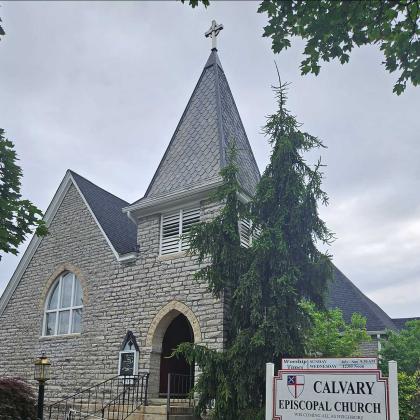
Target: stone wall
142, 296
117, 297
369, 348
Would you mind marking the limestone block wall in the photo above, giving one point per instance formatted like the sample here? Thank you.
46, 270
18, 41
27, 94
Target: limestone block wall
369, 348
168, 280
117, 297
74, 242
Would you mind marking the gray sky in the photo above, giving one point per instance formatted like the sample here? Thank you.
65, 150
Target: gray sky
99, 88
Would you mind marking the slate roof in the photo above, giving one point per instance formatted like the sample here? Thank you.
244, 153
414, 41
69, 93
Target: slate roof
107, 208
198, 148
343, 294
400, 322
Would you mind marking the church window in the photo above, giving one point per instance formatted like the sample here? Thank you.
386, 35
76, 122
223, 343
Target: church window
64, 306
174, 228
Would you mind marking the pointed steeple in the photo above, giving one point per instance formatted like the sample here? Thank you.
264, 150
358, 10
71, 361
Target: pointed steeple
197, 151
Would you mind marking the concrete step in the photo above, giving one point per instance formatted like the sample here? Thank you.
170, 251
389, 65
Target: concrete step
163, 417
157, 401
154, 409
158, 412
111, 413
182, 410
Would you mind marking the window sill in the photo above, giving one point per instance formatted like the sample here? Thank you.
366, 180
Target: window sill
52, 337
173, 256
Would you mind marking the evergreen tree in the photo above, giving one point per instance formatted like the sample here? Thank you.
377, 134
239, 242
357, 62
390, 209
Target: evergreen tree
218, 240
262, 286
18, 217
286, 265
217, 245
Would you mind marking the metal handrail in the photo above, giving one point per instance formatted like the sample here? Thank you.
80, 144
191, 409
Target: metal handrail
84, 390
117, 399
121, 394
179, 389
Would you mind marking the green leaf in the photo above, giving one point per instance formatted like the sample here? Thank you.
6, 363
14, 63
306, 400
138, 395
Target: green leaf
331, 27
18, 217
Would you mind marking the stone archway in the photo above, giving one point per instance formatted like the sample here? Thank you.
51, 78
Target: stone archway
155, 337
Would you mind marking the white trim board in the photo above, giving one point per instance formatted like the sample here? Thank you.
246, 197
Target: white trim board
49, 215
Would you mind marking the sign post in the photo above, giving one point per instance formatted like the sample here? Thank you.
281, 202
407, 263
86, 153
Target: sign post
393, 390
269, 376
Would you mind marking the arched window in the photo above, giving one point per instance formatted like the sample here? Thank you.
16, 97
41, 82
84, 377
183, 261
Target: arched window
64, 306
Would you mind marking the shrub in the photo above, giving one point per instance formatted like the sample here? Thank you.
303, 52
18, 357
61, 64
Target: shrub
17, 400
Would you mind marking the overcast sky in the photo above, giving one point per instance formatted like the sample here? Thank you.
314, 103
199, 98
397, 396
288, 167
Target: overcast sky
99, 88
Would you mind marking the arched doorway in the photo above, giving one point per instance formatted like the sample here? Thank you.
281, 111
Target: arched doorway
154, 341
179, 331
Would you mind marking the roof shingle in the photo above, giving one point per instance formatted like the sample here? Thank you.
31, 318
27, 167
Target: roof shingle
343, 294
198, 148
400, 322
107, 208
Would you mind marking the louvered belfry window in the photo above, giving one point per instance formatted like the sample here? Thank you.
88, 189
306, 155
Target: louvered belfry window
175, 225
245, 232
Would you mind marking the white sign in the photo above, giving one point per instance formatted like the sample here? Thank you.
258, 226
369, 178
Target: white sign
343, 363
333, 394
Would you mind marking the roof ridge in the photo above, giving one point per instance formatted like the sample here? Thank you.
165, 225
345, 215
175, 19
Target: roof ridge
400, 323
97, 186
106, 208
219, 110
407, 317
213, 59
240, 120
174, 133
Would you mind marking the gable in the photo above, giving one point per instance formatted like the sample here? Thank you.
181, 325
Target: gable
60, 219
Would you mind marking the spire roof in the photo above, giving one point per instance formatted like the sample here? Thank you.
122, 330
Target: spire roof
198, 149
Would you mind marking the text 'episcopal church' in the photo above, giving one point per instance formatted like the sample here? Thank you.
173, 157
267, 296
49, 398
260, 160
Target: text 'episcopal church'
111, 275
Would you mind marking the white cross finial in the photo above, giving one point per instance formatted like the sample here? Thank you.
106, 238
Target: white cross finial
213, 32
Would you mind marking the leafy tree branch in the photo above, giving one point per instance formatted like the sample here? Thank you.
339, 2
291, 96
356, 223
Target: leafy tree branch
332, 28
331, 336
18, 217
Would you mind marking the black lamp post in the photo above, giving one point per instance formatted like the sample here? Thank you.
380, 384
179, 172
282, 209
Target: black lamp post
41, 374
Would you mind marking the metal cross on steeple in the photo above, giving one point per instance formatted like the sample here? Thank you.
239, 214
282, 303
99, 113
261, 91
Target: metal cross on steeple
213, 32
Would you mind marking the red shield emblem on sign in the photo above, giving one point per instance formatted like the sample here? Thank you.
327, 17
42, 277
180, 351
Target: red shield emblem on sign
295, 384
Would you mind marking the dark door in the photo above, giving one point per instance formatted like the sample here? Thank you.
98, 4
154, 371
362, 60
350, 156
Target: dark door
179, 331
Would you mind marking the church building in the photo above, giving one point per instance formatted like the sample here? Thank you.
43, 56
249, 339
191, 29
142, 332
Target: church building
112, 275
